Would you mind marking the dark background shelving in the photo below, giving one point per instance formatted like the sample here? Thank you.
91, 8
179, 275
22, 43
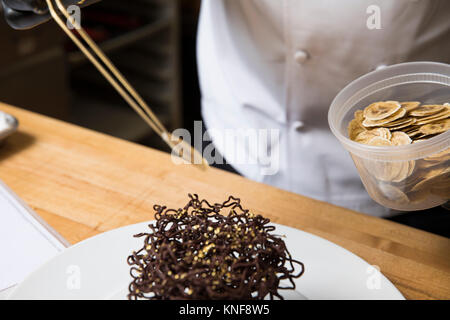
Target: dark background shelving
152, 42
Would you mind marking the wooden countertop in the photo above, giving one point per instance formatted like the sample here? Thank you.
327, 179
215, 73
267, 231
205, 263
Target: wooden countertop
83, 183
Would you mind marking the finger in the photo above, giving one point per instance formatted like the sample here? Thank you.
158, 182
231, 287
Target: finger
36, 6
21, 20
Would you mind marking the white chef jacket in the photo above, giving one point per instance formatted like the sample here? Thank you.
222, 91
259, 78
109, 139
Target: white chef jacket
279, 64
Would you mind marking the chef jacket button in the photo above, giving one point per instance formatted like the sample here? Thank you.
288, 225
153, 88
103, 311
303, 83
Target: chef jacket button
301, 56
298, 125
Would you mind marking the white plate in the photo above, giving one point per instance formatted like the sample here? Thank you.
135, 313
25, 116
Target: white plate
97, 269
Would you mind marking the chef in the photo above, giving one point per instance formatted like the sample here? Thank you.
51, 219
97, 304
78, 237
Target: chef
277, 64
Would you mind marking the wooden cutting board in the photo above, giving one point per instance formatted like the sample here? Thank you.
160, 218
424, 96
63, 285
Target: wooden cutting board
83, 183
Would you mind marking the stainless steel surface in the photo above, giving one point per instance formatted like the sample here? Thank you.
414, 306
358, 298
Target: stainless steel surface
8, 124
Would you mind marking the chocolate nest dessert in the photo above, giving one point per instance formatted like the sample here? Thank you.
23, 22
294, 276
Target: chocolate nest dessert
204, 251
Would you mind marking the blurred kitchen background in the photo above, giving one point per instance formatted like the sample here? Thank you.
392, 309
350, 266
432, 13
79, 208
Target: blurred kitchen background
151, 41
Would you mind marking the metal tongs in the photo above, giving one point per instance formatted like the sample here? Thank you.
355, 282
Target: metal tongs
122, 86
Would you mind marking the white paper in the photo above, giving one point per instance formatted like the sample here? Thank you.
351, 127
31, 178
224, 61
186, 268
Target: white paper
26, 241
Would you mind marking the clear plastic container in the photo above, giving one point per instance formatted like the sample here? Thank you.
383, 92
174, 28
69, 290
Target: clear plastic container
409, 177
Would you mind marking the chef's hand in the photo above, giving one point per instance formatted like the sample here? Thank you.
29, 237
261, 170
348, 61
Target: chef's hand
26, 14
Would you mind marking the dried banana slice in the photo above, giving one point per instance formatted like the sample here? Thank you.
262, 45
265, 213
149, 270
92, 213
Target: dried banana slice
445, 110
379, 142
411, 129
440, 156
354, 129
410, 182
367, 135
427, 110
393, 193
410, 105
413, 133
381, 110
441, 185
384, 171
400, 139
383, 133
355, 126
375, 123
441, 115
420, 186
431, 176
423, 122
403, 172
404, 127
394, 171
364, 136
428, 164
424, 136
412, 166
400, 122
359, 115
435, 127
